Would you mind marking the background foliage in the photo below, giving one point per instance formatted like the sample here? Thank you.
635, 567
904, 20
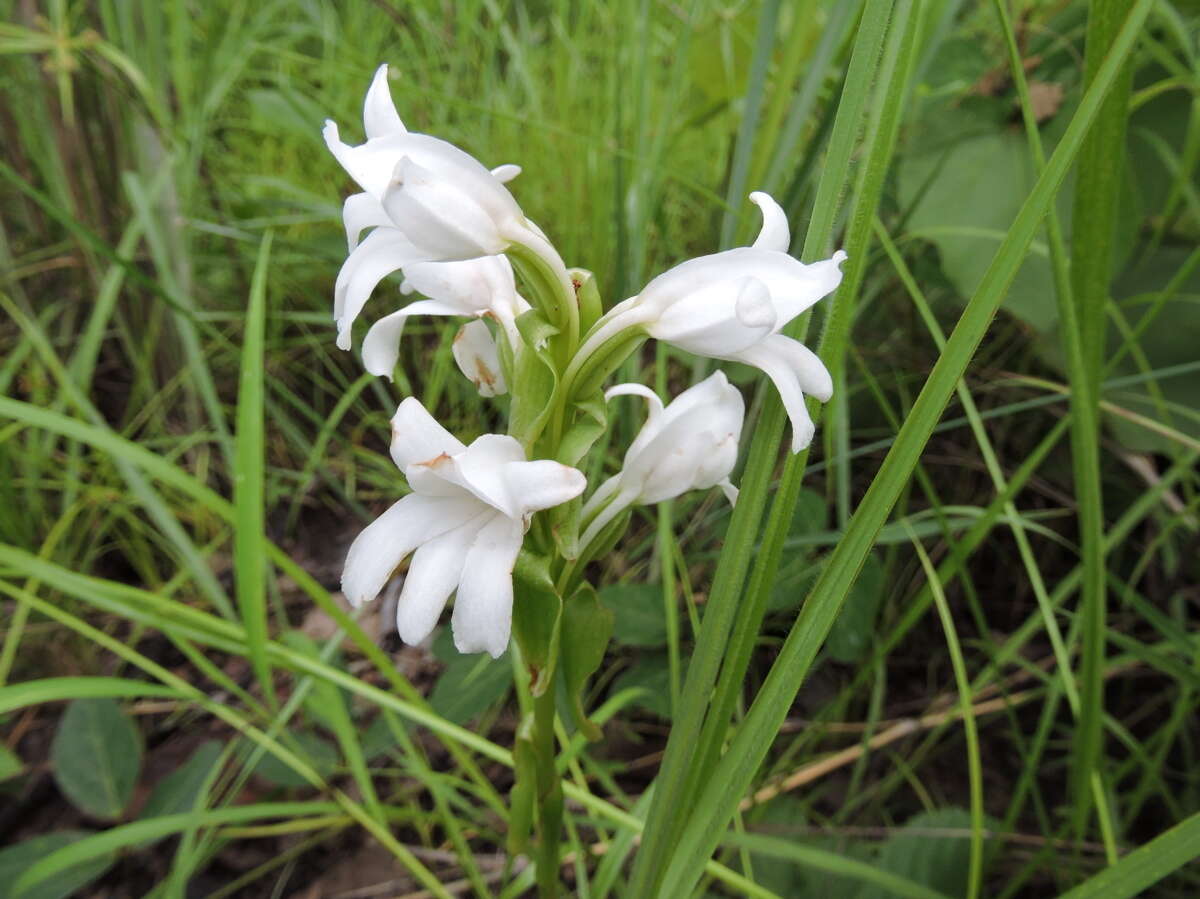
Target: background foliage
167, 251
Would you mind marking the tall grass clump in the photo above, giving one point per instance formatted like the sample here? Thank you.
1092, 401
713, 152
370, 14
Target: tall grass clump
948, 649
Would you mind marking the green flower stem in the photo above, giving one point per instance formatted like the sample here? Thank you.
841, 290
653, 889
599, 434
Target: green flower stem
549, 794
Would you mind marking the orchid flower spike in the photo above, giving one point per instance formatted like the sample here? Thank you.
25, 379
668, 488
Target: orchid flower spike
691, 444
464, 524
732, 305
427, 201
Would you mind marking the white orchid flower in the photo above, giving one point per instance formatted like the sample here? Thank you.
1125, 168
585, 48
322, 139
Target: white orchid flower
463, 523
477, 358
474, 287
427, 200
732, 305
691, 444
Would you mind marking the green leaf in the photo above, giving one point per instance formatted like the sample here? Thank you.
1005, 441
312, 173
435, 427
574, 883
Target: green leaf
470, 684
249, 544
178, 791
10, 763
315, 750
652, 674
15, 860
586, 629
918, 853
637, 611
1144, 866
853, 632
589, 419
97, 753
537, 611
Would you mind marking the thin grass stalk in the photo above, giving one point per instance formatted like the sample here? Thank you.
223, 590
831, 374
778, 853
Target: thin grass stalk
753, 739
878, 145
249, 557
1096, 196
667, 810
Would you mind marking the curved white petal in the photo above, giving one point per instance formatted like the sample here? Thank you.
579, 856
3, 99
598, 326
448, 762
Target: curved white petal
814, 282
731, 492
417, 438
476, 355
379, 112
473, 286
706, 321
384, 251
433, 574
384, 543
541, 484
441, 218
481, 470
482, 619
811, 374
505, 173
381, 346
360, 212
775, 234
777, 366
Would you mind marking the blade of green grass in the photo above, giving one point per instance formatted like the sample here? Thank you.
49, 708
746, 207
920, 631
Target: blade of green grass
754, 737
1145, 866
671, 798
249, 546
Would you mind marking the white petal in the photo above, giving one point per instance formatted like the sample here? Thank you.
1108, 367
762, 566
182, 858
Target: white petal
473, 286
379, 112
815, 282
542, 484
359, 212
384, 251
811, 373
482, 618
731, 492
775, 234
705, 320
753, 306
778, 368
381, 346
653, 423
440, 217
505, 173
417, 438
384, 543
481, 470
434, 572
477, 357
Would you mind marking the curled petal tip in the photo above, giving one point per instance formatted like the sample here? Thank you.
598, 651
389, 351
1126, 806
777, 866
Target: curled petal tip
775, 233
839, 257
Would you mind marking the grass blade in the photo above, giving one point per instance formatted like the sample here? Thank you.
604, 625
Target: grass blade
249, 546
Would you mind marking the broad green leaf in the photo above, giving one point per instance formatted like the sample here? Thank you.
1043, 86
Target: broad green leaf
315, 750
652, 674
97, 754
637, 612
15, 860
537, 611
470, 685
853, 632
918, 852
587, 626
178, 791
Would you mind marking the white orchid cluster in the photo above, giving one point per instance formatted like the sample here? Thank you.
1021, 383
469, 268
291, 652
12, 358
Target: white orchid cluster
454, 232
